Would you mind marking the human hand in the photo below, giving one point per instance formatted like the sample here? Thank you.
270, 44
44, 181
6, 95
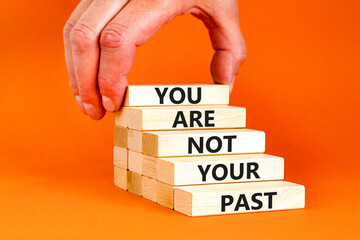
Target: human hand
98, 71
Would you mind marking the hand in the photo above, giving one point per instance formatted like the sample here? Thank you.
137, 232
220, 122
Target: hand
98, 71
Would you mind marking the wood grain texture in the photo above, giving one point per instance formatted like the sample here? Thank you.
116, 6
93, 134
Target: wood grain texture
181, 117
134, 141
120, 177
165, 195
121, 136
135, 162
121, 157
217, 199
146, 95
149, 188
185, 143
134, 184
219, 169
149, 166
121, 118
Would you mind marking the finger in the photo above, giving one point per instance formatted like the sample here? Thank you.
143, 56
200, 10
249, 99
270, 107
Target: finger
222, 20
75, 16
85, 51
132, 27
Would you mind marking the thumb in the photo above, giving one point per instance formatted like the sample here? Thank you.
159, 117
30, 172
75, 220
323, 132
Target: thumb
222, 20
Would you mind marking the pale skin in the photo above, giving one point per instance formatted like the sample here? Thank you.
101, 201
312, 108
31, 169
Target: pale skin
101, 37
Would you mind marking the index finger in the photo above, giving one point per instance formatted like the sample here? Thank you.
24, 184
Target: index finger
132, 27
70, 24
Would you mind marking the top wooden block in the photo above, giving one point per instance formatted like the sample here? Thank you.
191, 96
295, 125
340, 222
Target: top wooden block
163, 95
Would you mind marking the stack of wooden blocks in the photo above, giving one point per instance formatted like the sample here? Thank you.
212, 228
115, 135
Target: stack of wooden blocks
184, 148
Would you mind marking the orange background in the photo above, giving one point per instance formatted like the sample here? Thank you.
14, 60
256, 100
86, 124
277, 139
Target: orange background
300, 84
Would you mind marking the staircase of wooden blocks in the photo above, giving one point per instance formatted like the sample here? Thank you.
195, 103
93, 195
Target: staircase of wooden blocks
186, 149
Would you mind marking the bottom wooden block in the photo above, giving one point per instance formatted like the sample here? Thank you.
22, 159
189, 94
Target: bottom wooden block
165, 195
217, 199
120, 177
149, 186
134, 183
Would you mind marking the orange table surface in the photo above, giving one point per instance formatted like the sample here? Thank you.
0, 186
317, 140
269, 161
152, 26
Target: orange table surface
300, 84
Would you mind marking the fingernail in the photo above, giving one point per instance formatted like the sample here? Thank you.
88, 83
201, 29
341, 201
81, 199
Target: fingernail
108, 104
78, 100
232, 84
80, 103
90, 109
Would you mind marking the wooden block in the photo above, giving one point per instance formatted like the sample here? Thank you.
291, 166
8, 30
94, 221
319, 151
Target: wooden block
219, 169
134, 184
162, 95
121, 117
149, 166
149, 187
202, 142
121, 136
142, 164
185, 117
135, 162
228, 198
120, 177
121, 157
134, 140
165, 195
